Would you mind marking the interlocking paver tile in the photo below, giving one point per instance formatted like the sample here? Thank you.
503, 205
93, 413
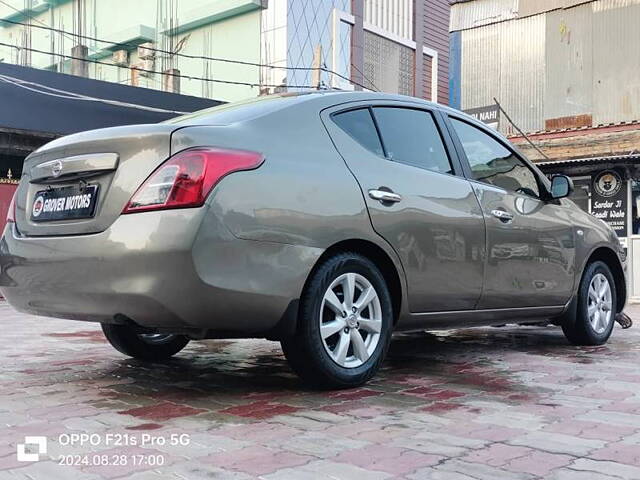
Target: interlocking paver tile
497, 455
256, 460
318, 444
619, 452
489, 403
194, 471
327, 470
51, 471
257, 432
593, 430
538, 463
433, 447
481, 472
606, 468
558, 443
161, 411
615, 418
393, 460
260, 410
568, 474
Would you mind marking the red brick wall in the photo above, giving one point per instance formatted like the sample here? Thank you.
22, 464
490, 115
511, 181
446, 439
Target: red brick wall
436, 37
6, 193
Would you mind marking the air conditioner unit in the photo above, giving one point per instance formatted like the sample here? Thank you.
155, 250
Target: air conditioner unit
121, 57
146, 51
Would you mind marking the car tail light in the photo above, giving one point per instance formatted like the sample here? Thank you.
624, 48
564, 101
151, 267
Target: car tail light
11, 213
187, 178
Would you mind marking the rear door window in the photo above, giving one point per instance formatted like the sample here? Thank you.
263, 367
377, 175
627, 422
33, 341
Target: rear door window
359, 125
412, 137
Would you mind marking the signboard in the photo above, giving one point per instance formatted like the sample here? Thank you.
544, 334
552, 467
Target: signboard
7, 176
489, 115
609, 200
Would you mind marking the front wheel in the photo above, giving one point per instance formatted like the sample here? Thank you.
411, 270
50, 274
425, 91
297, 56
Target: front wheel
596, 307
344, 324
144, 346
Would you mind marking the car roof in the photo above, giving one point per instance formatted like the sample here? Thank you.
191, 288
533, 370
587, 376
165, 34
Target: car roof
252, 108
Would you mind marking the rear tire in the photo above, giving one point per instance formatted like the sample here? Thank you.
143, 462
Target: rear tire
151, 347
595, 309
341, 338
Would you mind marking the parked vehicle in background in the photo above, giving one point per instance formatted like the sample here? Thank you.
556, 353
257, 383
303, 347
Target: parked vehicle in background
325, 221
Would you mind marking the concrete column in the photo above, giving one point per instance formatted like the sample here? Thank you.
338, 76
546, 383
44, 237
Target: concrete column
357, 43
171, 80
418, 36
79, 64
316, 74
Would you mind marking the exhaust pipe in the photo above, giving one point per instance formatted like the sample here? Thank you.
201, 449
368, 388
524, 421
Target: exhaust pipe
624, 320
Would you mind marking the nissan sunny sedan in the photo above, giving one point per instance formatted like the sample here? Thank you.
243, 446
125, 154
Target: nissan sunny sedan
325, 221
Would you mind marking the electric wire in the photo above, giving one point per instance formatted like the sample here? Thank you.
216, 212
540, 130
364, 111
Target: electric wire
31, 17
193, 57
188, 77
373, 86
67, 95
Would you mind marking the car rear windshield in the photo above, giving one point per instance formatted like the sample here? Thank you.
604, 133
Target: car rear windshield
229, 113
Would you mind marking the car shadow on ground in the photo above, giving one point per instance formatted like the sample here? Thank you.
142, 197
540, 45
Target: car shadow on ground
468, 359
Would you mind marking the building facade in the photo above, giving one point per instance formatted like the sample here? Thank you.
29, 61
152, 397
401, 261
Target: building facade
235, 49
112, 36
567, 73
395, 46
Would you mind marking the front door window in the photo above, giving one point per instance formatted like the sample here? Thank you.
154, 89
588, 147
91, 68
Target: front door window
493, 163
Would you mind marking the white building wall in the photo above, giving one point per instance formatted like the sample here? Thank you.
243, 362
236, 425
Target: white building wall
236, 37
394, 16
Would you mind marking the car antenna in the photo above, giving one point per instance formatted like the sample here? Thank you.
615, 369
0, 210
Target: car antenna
519, 130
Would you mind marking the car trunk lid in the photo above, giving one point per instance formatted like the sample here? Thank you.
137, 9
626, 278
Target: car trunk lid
80, 184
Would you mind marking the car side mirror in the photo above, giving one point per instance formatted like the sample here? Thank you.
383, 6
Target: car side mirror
561, 186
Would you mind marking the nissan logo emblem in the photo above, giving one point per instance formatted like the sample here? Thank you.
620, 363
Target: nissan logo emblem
56, 168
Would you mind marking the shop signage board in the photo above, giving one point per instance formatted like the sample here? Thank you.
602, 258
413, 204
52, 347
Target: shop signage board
609, 200
489, 115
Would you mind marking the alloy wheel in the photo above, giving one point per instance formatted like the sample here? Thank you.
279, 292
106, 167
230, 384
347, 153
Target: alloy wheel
599, 307
350, 320
156, 338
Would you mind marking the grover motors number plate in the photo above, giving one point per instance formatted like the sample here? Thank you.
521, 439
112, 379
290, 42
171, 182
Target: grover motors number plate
64, 203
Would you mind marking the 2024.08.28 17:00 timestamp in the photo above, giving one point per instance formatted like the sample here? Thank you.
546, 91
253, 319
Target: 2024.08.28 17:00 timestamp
96, 459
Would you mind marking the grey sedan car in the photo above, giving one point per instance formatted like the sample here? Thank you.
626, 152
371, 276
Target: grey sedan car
325, 221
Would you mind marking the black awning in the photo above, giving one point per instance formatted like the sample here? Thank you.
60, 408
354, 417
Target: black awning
23, 108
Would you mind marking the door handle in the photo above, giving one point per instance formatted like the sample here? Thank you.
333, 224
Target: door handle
384, 196
502, 215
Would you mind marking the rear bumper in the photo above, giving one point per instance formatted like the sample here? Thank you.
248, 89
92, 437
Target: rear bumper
176, 269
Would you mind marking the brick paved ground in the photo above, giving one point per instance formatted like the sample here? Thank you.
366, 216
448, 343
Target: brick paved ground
507, 403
